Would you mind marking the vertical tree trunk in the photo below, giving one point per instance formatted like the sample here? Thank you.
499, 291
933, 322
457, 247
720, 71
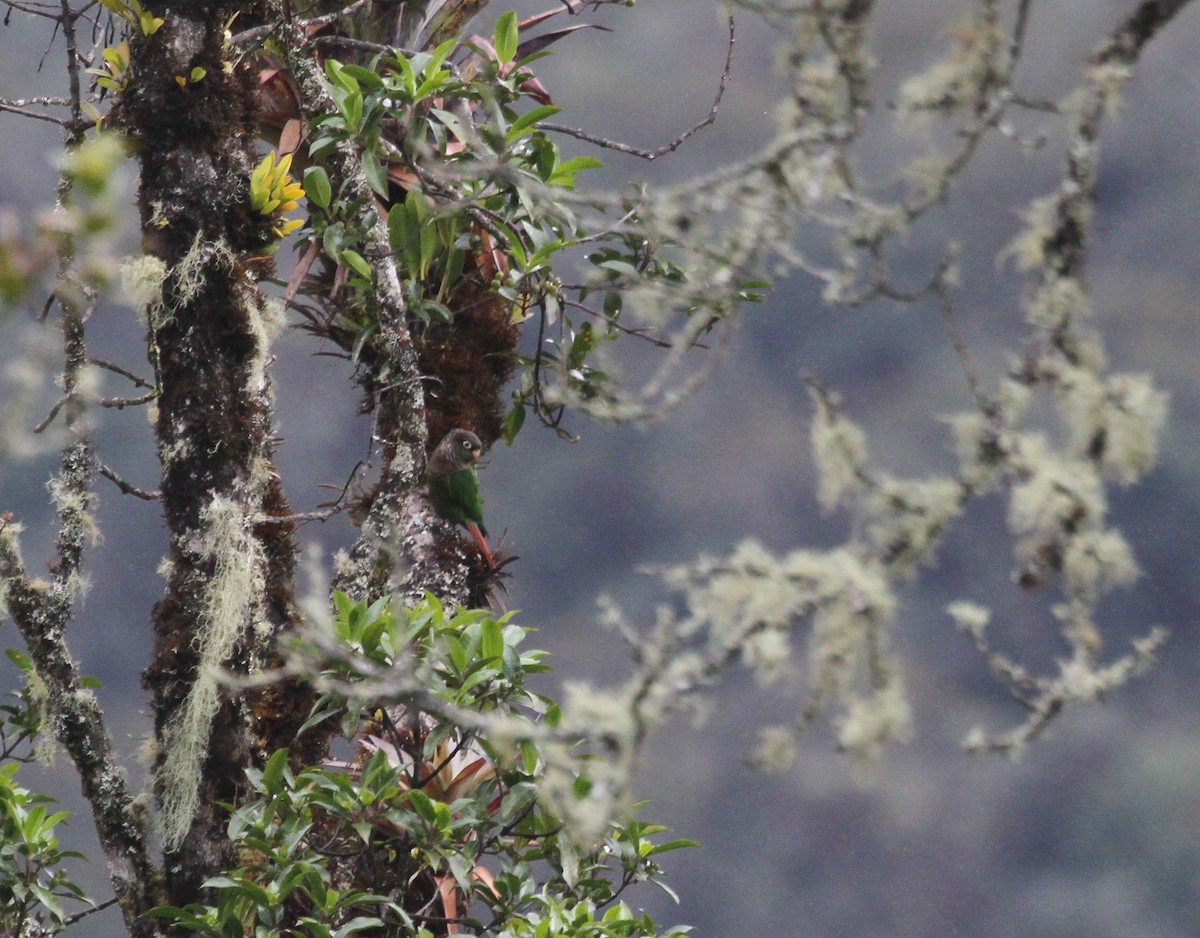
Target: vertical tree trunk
229, 572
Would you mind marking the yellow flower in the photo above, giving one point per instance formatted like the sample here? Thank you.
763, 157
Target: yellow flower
273, 192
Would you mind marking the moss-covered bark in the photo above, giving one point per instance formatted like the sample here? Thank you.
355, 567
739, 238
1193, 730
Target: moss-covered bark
229, 572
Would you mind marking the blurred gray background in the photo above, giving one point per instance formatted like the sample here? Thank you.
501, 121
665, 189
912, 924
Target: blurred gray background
1092, 831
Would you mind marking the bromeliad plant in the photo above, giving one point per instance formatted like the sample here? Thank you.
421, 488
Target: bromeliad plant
436, 823
484, 226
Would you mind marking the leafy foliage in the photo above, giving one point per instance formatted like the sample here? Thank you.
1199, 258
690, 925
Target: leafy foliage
446, 220
426, 809
33, 882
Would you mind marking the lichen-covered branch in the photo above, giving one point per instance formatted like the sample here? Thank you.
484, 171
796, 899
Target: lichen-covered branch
750, 605
397, 550
43, 610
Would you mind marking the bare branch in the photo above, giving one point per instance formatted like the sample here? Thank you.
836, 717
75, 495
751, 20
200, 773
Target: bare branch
123, 372
35, 115
671, 146
126, 487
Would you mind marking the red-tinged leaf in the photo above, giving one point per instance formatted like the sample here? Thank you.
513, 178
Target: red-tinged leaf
289, 137
573, 6
402, 177
536, 90
530, 21
538, 43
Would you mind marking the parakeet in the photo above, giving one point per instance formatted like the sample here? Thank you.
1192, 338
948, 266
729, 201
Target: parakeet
454, 487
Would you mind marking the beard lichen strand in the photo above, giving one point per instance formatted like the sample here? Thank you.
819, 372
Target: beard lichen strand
230, 601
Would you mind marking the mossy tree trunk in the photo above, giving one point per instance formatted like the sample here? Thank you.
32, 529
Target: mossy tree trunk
229, 590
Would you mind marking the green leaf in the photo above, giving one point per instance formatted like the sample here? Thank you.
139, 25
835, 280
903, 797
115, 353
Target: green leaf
413, 246
372, 634
316, 719
671, 845
376, 173
430, 248
356, 262
528, 119
354, 111
272, 773
452, 123
439, 55
322, 146
150, 23
357, 924
513, 421
400, 231
317, 187
564, 174
423, 805
331, 241
337, 74
364, 77
506, 37
492, 644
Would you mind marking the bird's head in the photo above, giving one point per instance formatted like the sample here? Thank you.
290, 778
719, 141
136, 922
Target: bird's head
458, 450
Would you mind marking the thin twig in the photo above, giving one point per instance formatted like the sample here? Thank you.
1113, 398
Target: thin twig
46, 11
616, 324
120, 403
301, 516
24, 112
673, 145
126, 487
950, 320
50, 416
123, 372
80, 916
257, 32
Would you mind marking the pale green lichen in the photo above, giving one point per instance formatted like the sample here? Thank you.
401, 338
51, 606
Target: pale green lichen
313, 601
839, 450
776, 750
1108, 80
1057, 492
1117, 419
769, 654
1095, 562
905, 519
142, 280
1028, 248
230, 604
956, 81
25, 379
266, 320
1059, 302
192, 271
45, 745
969, 617
586, 809
870, 722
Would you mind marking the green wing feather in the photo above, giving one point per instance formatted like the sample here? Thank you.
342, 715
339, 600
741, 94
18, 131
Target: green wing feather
456, 497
